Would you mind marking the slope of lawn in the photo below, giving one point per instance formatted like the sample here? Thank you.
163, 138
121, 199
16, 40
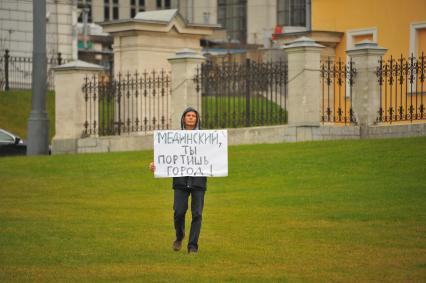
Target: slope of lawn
15, 108
340, 211
230, 112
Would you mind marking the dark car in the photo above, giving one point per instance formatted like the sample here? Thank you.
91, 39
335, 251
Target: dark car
11, 144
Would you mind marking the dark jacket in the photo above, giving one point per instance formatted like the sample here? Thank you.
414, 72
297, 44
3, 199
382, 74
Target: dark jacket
190, 183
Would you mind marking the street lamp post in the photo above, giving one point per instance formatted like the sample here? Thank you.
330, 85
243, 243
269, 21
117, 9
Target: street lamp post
38, 122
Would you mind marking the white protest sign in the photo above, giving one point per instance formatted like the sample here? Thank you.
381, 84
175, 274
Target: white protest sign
191, 153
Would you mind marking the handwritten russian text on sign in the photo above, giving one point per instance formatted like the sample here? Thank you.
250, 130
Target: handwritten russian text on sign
191, 153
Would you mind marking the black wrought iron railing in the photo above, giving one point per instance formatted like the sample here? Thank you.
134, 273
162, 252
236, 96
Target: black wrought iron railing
127, 103
16, 71
402, 89
337, 78
242, 95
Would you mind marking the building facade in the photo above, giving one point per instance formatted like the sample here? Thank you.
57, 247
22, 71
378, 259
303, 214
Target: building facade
111, 10
16, 28
245, 21
399, 26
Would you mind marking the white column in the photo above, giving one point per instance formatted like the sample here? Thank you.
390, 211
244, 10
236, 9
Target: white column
184, 66
304, 88
70, 105
365, 90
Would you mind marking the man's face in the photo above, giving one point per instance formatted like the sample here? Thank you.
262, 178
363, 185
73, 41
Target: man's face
190, 119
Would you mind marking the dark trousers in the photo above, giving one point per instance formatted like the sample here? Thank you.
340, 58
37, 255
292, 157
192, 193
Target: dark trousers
180, 207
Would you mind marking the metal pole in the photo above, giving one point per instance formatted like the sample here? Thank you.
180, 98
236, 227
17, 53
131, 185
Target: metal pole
309, 15
6, 69
248, 79
38, 122
59, 59
85, 23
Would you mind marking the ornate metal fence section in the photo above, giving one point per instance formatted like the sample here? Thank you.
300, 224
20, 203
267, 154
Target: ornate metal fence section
402, 89
337, 78
128, 103
16, 72
242, 95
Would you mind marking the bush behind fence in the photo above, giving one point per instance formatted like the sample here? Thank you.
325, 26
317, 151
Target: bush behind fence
127, 103
242, 95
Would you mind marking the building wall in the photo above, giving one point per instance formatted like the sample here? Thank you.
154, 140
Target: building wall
147, 52
16, 28
261, 21
421, 44
124, 12
390, 18
98, 10
261, 15
198, 11
124, 8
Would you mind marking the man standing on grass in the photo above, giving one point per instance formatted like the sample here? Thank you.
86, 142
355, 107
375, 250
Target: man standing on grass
185, 186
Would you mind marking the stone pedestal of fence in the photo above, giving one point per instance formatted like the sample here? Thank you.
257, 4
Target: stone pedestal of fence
365, 90
70, 105
184, 66
304, 88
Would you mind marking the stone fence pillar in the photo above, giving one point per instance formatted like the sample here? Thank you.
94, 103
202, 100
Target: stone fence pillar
304, 88
70, 107
184, 94
365, 90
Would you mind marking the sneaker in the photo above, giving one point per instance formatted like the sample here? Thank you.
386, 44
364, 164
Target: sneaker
192, 250
177, 245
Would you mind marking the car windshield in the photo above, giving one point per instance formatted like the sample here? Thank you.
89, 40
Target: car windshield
5, 138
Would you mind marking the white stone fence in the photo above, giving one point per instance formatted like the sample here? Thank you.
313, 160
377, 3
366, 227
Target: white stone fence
253, 135
303, 104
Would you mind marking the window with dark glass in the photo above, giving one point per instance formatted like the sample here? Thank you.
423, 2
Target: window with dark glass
89, 5
115, 14
232, 15
132, 8
141, 2
80, 6
291, 13
167, 4
141, 7
159, 4
106, 10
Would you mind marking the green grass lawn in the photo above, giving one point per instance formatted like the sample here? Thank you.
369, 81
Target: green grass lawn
230, 112
340, 211
15, 108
